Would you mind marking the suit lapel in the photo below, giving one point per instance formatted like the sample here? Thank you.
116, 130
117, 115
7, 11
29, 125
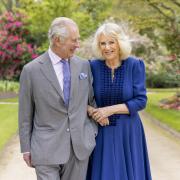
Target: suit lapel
48, 71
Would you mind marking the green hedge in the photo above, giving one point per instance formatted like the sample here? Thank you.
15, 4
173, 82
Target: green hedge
162, 80
9, 86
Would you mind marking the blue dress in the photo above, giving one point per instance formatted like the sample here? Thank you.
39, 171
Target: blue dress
120, 152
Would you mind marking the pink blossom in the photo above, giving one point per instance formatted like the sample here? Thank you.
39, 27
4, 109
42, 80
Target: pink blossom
14, 49
1, 53
33, 56
15, 38
18, 24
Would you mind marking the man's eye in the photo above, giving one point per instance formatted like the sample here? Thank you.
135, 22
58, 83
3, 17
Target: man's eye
76, 40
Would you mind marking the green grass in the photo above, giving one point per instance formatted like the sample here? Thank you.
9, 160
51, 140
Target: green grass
169, 117
163, 90
9, 100
8, 122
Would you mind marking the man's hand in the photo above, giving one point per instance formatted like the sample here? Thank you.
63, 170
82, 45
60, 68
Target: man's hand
27, 159
90, 110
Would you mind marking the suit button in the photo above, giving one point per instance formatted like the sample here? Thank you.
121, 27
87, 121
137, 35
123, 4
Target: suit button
67, 130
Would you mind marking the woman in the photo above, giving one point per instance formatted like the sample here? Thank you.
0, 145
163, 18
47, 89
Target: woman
120, 92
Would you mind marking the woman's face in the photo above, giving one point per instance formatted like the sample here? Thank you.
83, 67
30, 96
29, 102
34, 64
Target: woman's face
109, 47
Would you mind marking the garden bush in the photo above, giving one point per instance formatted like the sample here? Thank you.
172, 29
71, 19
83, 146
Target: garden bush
15, 47
161, 80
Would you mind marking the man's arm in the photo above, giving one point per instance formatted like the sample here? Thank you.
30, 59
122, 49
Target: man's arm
26, 111
91, 99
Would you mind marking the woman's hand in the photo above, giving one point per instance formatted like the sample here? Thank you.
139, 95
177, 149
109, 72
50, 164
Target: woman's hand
103, 121
101, 113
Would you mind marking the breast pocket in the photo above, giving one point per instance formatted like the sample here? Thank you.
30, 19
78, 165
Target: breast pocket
83, 84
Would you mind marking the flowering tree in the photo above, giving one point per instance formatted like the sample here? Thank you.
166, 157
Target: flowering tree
15, 49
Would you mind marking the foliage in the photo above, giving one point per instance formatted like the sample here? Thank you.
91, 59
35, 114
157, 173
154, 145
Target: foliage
7, 4
87, 14
9, 86
41, 13
15, 50
164, 72
159, 20
161, 80
169, 12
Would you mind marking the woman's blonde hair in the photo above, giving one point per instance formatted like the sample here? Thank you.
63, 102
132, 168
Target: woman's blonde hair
115, 31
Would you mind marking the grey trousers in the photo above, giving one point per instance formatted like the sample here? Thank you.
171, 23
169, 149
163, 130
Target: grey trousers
72, 170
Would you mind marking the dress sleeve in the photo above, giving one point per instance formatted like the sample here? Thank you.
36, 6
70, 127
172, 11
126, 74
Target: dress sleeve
139, 100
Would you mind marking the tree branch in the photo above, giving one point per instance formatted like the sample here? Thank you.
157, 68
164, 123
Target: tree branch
168, 8
8, 4
176, 2
157, 8
4, 4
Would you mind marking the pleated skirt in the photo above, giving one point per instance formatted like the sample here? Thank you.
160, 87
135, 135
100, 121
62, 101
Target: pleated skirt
120, 152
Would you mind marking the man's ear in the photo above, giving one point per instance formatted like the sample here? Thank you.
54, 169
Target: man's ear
57, 41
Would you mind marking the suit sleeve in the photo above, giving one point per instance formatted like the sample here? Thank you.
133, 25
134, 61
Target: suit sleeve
139, 100
26, 110
91, 100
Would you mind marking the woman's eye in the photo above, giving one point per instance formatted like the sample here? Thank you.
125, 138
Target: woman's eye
111, 42
102, 43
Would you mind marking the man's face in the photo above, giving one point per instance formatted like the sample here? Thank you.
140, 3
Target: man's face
70, 44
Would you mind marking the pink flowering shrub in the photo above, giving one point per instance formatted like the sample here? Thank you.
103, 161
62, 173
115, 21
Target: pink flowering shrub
15, 48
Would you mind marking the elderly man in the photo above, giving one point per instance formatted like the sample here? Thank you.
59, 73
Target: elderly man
56, 135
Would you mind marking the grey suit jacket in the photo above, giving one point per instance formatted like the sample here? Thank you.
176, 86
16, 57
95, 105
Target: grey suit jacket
46, 126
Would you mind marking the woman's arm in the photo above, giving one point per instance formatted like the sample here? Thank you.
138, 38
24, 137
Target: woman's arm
139, 99
101, 113
102, 121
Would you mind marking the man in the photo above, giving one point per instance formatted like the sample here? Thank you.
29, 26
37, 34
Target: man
56, 135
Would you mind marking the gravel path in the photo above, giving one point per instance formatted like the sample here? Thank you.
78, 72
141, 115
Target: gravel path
12, 167
164, 151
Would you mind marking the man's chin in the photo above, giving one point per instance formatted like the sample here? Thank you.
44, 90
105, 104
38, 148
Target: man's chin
71, 54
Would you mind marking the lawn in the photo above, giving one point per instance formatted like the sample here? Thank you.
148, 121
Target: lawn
8, 121
9, 100
167, 116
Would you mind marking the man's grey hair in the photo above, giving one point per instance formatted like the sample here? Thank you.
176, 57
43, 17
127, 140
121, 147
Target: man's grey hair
59, 28
115, 31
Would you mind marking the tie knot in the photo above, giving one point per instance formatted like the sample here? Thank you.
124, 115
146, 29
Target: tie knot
64, 61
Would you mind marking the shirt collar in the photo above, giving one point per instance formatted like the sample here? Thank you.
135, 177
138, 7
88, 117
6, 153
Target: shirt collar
54, 57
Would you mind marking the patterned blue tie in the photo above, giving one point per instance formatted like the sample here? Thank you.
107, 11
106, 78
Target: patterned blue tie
66, 81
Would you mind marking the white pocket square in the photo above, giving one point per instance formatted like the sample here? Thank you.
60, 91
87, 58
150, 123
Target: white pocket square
82, 76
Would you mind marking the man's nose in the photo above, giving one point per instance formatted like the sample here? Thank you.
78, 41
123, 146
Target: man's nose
77, 45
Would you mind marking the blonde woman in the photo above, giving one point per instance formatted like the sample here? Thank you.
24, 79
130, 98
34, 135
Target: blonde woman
120, 92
